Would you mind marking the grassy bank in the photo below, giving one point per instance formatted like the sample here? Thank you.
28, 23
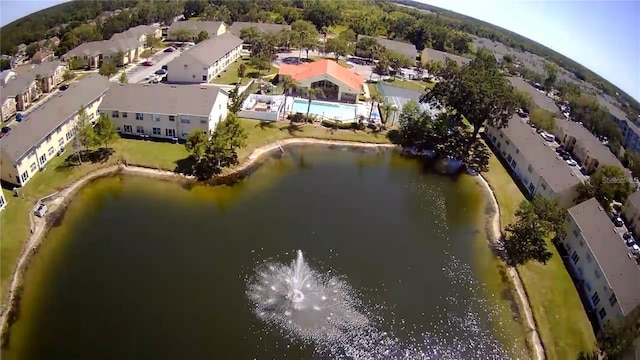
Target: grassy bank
560, 317
14, 219
230, 75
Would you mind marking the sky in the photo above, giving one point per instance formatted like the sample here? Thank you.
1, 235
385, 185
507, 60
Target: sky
604, 35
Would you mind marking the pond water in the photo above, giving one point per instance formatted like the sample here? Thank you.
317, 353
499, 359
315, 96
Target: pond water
140, 268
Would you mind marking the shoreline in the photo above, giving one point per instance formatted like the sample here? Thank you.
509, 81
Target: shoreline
493, 235
58, 201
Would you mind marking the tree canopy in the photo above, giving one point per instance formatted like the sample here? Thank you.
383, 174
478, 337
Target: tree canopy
607, 184
477, 91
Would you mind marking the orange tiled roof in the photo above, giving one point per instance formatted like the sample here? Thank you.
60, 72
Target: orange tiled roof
323, 67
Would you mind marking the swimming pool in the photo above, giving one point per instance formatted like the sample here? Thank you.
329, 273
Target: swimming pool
325, 109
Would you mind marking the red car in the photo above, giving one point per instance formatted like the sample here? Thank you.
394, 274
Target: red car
147, 63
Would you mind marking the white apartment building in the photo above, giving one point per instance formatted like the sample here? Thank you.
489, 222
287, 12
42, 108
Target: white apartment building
607, 273
164, 111
205, 61
45, 131
540, 170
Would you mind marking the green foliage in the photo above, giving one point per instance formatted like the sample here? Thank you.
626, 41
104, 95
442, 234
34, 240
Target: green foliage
595, 117
523, 99
338, 46
552, 75
607, 184
212, 154
105, 131
631, 161
5, 64
31, 50
183, 34
235, 100
368, 48
202, 36
619, 335
123, 78
543, 119
108, 69
242, 68
68, 75
153, 42
477, 91
524, 241
85, 137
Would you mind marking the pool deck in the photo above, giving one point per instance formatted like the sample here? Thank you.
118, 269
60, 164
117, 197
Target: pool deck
360, 109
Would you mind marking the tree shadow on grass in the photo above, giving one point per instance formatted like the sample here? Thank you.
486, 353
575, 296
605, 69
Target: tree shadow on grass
292, 129
185, 166
394, 136
265, 125
100, 155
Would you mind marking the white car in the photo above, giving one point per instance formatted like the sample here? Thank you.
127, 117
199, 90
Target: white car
41, 210
548, 137
635, 249
572, 162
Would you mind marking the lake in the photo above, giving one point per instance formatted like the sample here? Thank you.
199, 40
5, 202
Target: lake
140, 268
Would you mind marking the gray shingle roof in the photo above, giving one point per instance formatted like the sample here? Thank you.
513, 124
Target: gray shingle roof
610, 251
594, 147
193, 100
406, 49
634, 199
613, 110
538, 98
104, 47
54, 112
211, 27
210, 50
22, 82
237, 27
135, 32
429, 54
542, 158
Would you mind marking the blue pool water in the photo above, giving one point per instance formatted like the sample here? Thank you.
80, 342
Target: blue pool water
327, 110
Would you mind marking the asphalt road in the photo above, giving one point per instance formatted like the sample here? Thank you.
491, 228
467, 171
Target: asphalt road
139, 72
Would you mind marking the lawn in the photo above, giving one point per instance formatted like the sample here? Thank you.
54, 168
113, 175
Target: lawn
559, 314
373, 90
230, 75
416, 85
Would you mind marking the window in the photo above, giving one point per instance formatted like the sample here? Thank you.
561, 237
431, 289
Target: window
128, 129
499, 144
204, 77
2, 203
172, 118
193, 76
156, 131
587, 286
140, 129
24, 176
530, 168
517, 151
115, 114
508, 142
514, 164
185, 134
544, 185
185, 119
50, 151
597, 273
589, 258
139, 116
575, 258
185, 66
205, 68
509, 159
531, 188
156, 117
68, 136
595, 299
602, 313
33, 167
576, 232
124, 114
170, 132
612, 299
43, 159
203, 121
60, 142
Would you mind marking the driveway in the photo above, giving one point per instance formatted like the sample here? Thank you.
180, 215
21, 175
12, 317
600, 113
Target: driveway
139, 72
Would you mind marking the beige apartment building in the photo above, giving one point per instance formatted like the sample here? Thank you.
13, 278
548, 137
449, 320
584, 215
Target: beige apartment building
8, 108
606, 271
28, 87
45, 131
536, 165
631, 212
205, 61
94, 53
189, 30
590, 151
164, 111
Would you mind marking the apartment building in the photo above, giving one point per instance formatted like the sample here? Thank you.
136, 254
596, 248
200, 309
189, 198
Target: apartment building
205, 61
42, 55
534, 163
405, 49
164, 111
606, 271
585, 146
45, 131
94, 53
139, 33
631, 212
28, 87
539, 98
189, 30
8, 108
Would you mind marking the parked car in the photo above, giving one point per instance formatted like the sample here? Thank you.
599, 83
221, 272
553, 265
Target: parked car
630, 242
165, 67
635, 249
548, 137
168, 50
161, 72
5, 129
147, 63
627, 236
567, 157
64, 87
618, 222
19, 117
41, 210
571, 162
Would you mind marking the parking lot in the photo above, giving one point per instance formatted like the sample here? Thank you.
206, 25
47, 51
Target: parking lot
139, 72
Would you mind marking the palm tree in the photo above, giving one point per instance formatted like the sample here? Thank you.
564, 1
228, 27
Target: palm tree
242, 68
394, 109
374, 98
387, 108
312, 93
288, 84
